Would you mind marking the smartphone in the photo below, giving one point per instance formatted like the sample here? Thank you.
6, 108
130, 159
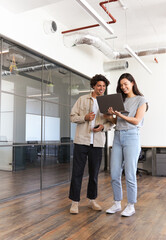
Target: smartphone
96, 126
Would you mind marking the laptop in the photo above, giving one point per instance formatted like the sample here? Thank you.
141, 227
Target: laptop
112, 100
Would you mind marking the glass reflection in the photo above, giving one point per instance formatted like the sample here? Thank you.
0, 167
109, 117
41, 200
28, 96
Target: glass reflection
57, 150
35, 130
6, 118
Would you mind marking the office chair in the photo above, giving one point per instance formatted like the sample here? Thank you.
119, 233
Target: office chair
142, 159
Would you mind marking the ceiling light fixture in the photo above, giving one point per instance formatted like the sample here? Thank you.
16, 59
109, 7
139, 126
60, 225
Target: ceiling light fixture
133, 54
95, 15
39, 95
4, 51
122, 4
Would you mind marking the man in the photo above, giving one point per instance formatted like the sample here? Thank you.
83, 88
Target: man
88, 143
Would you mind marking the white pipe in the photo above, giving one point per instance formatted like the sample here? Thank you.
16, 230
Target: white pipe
132, 53
95, 15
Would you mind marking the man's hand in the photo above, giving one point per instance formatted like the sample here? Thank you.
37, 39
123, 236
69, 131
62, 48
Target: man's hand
99, 129
90, 116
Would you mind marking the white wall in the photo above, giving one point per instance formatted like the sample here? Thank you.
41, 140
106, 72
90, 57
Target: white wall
153, 86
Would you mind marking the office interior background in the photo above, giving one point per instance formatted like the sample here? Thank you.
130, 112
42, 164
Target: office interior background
44, 70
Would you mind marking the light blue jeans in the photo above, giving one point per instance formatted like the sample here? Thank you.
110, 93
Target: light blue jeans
125, 153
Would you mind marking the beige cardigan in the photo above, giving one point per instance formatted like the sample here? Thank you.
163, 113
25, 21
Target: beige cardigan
83, 106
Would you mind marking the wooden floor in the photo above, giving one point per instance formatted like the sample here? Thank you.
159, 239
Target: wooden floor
45, 215
28, 179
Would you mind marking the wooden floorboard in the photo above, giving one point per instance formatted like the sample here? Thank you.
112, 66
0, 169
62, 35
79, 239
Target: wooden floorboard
45, 215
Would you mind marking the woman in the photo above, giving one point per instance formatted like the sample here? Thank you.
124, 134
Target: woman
126, 144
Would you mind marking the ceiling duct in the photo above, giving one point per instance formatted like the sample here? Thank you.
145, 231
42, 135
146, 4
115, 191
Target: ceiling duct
30, 69
115, 65
72, 40
143, 52
36, 68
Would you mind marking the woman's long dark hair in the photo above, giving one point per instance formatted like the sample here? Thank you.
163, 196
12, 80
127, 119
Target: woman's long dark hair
129, 77
136, 91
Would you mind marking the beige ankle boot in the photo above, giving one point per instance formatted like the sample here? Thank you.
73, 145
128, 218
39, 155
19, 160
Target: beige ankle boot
94, 205
74, 207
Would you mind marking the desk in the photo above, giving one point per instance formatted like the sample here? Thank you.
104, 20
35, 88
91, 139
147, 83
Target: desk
159, 161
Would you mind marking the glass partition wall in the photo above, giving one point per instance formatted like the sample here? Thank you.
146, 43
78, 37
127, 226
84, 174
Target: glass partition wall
36, 136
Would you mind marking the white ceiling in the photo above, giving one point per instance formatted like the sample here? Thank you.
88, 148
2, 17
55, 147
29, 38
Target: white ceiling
141, 26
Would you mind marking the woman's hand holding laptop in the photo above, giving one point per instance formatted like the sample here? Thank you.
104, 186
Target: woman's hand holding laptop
111, 116
112, 112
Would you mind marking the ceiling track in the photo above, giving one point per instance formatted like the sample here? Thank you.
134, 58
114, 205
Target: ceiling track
95, 25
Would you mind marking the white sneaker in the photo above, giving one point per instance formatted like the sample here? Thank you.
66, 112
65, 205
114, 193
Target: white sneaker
129, 210
115, 208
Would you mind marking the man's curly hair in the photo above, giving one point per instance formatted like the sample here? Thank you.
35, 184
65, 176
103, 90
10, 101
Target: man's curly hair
97, 78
